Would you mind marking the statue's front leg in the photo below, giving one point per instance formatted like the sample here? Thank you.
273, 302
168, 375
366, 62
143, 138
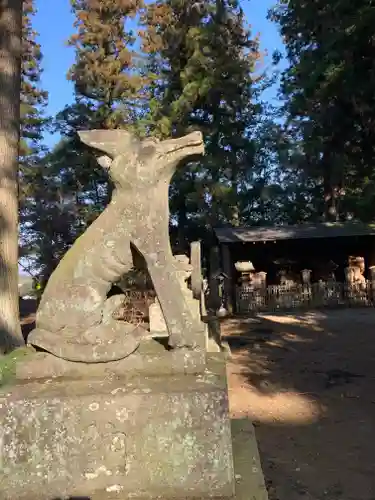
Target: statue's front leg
184, 330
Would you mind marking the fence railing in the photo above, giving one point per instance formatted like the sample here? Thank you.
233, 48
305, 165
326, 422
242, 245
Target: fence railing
317, 295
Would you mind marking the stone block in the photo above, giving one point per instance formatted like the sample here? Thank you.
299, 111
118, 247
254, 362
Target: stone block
250, 483
129, 437
42, 365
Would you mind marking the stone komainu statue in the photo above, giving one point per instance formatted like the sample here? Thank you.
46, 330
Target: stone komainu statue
75, 317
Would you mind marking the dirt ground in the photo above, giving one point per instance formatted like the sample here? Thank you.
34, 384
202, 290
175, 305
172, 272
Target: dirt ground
308, 384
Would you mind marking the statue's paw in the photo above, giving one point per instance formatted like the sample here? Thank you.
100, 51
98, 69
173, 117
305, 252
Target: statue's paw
96, 336
100, 344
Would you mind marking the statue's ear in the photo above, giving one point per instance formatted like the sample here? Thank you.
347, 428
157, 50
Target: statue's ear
111, 142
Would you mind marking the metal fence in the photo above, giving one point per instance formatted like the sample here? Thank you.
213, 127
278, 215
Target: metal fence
318, 295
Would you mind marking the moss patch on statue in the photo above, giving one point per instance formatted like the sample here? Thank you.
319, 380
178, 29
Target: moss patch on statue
9, 362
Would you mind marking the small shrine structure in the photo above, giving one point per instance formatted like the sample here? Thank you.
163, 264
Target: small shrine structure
289, 266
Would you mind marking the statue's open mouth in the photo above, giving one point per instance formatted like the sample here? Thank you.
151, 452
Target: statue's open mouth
193, 142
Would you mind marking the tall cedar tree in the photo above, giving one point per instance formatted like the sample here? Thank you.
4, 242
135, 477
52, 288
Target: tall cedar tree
107, 90
10, 79
53, 219
33, 98
103, 74
34, 188
173, 37
328, 89
204, 57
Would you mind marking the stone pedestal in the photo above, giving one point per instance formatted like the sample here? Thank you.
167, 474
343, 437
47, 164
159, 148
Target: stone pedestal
228, 272
128, 437
147, 362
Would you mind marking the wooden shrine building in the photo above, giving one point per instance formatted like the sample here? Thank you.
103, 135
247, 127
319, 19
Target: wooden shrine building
294, 248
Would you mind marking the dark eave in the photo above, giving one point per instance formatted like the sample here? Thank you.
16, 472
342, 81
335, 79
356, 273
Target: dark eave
297, 232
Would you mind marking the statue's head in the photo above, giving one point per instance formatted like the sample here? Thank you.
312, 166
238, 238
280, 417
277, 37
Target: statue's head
135, 163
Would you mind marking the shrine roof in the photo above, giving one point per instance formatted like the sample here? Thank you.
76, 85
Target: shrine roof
251, 234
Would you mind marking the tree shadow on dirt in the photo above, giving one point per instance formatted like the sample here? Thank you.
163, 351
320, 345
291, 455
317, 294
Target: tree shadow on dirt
71, 498
307, 382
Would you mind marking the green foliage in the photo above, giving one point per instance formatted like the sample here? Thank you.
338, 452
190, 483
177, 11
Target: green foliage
32, 182
328, 92
103, 73
8, 364
72, 189
63, 206
198, 67
203, 62
33, 98
107, 86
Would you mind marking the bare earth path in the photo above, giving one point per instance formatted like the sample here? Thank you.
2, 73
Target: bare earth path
308, 384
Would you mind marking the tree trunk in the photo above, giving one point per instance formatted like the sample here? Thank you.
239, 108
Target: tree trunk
330, 201
235, 210
330, 188
10, 78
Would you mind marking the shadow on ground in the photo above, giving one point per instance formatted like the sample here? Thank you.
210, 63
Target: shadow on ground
71, 498
307, 381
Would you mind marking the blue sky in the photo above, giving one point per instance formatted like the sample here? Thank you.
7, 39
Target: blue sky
54, 22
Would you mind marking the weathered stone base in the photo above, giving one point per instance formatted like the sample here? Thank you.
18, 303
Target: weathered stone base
249, 480
159, 437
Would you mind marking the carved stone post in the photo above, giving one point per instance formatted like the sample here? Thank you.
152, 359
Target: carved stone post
196, 274
306, 277
306, 285
262, 279
214, 300
349, 279
372, 283
228, 283
371, 252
